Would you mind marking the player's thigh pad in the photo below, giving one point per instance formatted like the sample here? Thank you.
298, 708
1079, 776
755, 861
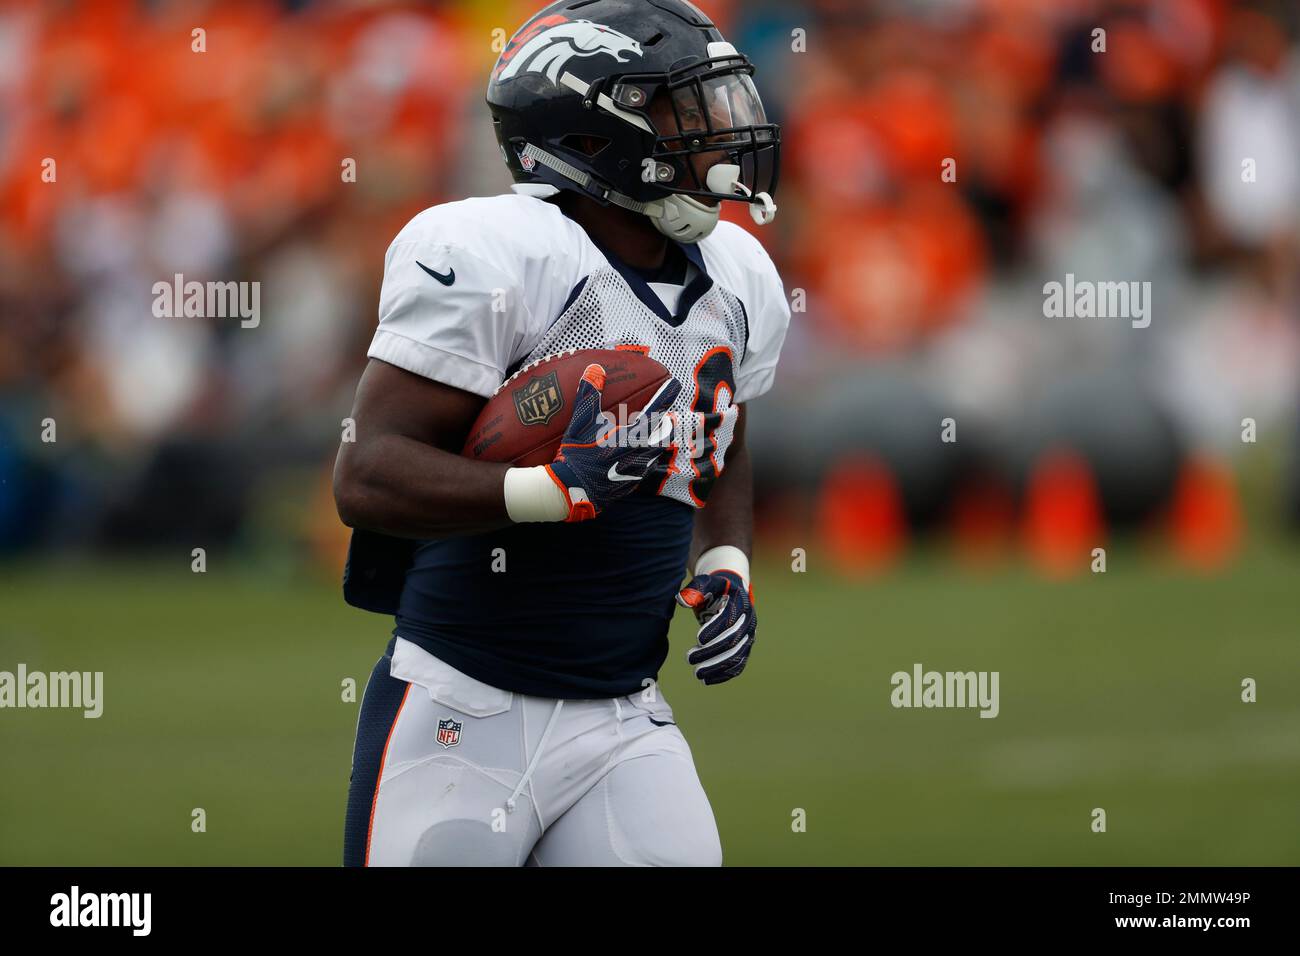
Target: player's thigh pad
448, 765
649, 809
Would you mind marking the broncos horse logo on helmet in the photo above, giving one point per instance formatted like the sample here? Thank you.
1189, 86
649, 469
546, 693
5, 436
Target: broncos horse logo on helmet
548, 50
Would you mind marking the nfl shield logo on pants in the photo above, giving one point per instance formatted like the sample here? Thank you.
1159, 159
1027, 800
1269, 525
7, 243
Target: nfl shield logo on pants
449, 732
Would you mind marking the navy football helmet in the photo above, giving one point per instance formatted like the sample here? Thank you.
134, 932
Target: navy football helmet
638, 103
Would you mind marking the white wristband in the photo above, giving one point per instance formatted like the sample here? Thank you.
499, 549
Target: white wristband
532, 495
724, 557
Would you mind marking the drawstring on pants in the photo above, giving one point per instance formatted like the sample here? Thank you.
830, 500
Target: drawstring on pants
537, 756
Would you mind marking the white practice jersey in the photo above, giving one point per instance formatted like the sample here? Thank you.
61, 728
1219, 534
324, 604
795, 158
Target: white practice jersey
475, 289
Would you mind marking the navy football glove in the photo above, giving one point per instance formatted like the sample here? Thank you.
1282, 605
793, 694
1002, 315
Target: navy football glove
593, 468
725, 610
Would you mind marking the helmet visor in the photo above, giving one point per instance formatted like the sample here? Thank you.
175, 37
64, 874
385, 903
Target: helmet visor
722, 114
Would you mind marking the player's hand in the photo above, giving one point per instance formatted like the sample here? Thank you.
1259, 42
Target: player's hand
594, 465
725, 610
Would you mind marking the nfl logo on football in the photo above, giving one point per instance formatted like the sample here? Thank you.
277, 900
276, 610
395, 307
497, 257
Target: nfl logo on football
539, 400
449, 732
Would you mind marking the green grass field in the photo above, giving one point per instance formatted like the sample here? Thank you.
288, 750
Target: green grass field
1120, 691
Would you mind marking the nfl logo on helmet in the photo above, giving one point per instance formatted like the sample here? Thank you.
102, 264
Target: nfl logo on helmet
449, 732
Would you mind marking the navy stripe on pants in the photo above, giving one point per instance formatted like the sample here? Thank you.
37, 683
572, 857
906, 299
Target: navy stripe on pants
379, 707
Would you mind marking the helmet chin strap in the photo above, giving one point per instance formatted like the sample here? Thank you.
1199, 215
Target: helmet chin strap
678, 216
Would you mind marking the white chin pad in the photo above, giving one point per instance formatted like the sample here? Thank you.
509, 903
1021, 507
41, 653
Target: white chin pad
687, 219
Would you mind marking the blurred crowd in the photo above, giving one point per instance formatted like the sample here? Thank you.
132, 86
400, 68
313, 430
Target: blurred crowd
942, 160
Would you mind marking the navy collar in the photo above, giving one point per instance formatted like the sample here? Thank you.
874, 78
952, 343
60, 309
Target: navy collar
694, 291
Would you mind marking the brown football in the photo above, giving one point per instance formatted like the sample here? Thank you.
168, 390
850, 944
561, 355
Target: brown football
524, 420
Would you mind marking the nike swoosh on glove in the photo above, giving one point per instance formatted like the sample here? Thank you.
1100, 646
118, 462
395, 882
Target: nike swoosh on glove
725, 610
595, 466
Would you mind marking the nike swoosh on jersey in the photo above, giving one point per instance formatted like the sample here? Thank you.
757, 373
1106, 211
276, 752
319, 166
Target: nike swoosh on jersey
447, 279
613, 474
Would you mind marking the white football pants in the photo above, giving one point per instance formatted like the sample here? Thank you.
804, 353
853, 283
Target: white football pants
471, 775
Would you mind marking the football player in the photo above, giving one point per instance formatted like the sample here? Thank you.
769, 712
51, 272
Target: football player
515, 718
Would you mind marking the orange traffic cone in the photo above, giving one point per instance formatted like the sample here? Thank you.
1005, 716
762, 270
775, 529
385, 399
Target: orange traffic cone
860, 515
1063, 519
1205, 521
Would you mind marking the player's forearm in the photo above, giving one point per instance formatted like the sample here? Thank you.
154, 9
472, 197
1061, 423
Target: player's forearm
728, 519
405, 488
719, 590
